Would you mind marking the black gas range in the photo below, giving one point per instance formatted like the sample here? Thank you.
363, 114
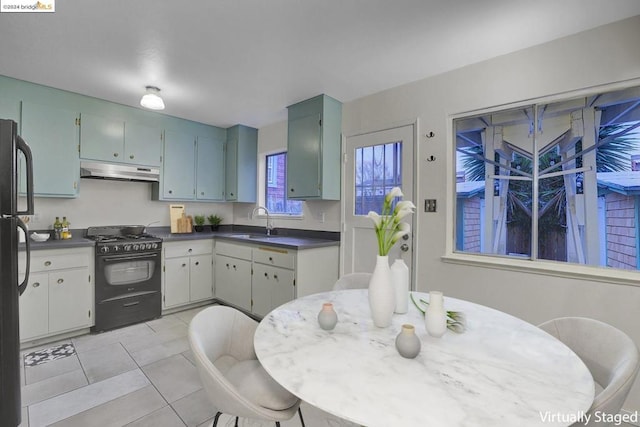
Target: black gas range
128, 276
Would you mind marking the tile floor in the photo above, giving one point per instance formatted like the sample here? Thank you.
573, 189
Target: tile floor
141, 375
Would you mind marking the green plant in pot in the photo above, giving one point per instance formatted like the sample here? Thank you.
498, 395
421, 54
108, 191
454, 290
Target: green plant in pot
199, 222
215, 221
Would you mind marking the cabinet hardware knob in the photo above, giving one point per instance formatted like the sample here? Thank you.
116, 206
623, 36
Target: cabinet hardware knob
265, 275
47, 263
115, 154
234, 267
231, 194
275, 276
36, 284
184, 265
60, 281
202, 193
190, 250
292, 190
271, 259
227, 265
197, 263
170, 191
131, 157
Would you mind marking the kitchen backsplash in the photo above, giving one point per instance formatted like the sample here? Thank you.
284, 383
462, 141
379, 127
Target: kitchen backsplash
102, 202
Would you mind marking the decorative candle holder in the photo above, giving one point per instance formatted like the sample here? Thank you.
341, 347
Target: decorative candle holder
407, 342
327, 318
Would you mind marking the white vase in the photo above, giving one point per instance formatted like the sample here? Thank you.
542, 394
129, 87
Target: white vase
407, 342
327, 318
400, 280
382, 295
435, 318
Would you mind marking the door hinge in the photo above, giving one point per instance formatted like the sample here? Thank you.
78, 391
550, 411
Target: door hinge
294, 282
78, 148
89, 278
344, 158
89, 314
75, 185
320, 122
163, 268
77, 121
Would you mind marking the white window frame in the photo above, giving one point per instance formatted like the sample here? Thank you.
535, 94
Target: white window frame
537, 266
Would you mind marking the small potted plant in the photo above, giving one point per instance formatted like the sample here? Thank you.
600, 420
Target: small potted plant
215, 221
199, 220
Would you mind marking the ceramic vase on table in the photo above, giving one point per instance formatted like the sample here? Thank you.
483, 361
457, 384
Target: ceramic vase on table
400, 280
382, 294
327, 318
435, 317
407, 342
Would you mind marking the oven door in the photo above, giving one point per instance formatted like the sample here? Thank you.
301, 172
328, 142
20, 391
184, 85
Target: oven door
119, 275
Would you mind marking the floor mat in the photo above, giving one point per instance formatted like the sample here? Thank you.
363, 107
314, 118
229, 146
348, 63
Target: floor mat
48, 354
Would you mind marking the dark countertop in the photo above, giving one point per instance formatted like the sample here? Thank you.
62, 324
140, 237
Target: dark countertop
77, 241
290, 239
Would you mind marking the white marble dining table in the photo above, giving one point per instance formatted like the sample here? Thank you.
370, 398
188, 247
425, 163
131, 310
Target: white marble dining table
502, 371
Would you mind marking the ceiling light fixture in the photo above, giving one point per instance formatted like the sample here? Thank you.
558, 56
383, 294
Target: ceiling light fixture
151, 99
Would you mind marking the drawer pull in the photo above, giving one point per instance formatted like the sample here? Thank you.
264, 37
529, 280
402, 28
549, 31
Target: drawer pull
271, 259
275, 276
36, 284
60, 281
47, 263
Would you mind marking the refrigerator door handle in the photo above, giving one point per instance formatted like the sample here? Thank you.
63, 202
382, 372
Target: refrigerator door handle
23, 286
22, 146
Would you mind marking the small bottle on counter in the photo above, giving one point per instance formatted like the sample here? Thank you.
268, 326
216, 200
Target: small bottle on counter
66, 231
57, 229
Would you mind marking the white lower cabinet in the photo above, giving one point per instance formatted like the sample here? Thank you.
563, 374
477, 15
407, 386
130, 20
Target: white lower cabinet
233, 274
259, 278
59, 294
187, 273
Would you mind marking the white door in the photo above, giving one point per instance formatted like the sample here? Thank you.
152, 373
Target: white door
375, 163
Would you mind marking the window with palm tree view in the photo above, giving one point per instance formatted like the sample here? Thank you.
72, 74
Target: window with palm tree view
556, 181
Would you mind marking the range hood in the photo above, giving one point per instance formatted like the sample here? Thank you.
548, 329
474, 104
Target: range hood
99, 170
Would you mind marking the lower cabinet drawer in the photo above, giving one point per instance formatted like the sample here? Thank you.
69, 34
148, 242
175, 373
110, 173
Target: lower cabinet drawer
274, 256
233, 250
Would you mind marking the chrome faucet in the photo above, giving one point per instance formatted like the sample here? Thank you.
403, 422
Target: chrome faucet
269, 225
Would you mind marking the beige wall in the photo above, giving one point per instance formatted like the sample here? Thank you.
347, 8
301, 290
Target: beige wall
601, 56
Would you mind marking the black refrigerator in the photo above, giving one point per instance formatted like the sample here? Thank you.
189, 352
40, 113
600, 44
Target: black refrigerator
11, 145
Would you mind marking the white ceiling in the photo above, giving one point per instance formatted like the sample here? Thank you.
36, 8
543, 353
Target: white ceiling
224, 62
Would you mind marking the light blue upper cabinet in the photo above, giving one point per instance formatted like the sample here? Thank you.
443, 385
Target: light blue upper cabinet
114, 140
52, 135
209, 169
241, 164
178, 173
313, 149
101, 138
142, 144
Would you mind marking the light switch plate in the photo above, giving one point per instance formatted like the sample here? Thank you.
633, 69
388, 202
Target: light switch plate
429, 205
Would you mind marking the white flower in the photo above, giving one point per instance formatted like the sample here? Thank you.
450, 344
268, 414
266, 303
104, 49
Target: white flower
375, 218
395, 192
388, 227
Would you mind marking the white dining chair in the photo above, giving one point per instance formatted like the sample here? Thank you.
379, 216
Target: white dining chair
221, 339
609, 354
352, 281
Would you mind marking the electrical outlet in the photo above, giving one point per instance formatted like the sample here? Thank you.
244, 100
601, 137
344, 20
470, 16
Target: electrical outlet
429, 205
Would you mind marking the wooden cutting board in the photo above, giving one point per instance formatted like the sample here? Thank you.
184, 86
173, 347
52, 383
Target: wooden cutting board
185, 224
175, 212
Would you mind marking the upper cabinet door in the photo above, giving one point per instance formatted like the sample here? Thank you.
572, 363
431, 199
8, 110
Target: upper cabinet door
313, 149
101, 138
209, 169
52, 135
178, 171
303, 157
143, 144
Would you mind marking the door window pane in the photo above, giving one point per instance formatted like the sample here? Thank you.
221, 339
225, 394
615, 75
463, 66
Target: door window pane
275, 187
378, 168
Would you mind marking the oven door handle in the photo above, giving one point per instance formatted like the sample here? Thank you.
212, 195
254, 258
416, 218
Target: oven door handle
129, 257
